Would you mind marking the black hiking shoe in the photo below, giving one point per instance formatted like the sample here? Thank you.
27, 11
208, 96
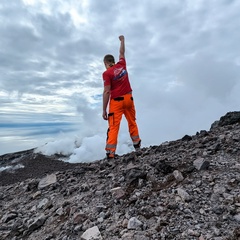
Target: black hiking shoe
111, 155
137, 146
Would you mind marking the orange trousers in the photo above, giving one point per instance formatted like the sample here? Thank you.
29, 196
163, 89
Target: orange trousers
118, 107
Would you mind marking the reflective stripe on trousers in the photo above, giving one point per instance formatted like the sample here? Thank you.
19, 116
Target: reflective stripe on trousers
118, 107
135, 139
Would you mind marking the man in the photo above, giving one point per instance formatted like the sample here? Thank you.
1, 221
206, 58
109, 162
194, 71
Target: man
118, 94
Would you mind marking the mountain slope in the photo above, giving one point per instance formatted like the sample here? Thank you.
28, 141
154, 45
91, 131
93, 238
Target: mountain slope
183, 189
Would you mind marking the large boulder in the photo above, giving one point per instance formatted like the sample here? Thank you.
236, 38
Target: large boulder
228, 119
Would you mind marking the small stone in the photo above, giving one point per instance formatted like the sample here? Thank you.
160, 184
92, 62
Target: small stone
134, 223
92, 233
201, 164
44, 204
237, 217
60, 211
100, 219
125, 223
79, 218
9, 216
193, 233
201, 238
202, 211
117, 192
183, 194
36, 194
38, 222
46, 181
178, 175
219, 189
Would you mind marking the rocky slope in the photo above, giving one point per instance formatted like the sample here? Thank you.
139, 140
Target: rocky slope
183, 189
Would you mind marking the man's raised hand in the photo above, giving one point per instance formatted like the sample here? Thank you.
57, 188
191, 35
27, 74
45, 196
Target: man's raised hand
121, 38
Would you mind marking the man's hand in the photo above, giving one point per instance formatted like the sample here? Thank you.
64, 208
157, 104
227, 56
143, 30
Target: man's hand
121, 38
105, 115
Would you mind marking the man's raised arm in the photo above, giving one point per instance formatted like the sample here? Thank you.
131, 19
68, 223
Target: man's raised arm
122, 47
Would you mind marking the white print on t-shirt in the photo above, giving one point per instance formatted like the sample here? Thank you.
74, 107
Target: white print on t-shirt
119, 72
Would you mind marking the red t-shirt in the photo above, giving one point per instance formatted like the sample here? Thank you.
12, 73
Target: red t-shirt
117, 77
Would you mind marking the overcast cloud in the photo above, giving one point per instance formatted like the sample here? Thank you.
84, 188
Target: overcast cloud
183, 62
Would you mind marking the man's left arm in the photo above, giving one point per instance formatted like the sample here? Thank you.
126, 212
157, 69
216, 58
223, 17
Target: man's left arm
106, 96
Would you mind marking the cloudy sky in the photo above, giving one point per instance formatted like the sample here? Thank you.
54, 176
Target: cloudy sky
183, 63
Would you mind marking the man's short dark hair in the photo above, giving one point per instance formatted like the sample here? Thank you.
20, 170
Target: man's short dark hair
109, 58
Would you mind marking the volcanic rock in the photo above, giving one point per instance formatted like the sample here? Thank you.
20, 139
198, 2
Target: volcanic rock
187, 189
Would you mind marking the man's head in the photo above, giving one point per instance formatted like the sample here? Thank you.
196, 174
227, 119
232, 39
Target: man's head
109, 60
